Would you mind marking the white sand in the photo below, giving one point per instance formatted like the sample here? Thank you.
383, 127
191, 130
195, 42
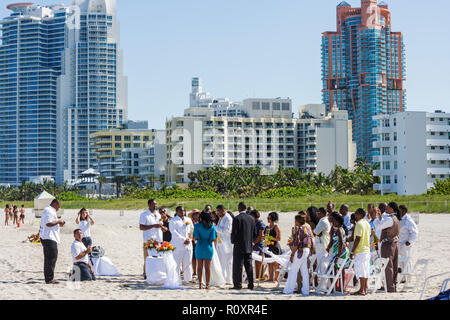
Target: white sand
21, 264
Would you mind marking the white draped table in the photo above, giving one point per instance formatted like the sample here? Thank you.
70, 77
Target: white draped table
162, 270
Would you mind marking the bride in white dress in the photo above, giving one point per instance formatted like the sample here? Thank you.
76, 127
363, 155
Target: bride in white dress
217, 279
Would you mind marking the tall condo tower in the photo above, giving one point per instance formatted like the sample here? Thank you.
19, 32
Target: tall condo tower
94, 89
32, 44
61, 79
363, 69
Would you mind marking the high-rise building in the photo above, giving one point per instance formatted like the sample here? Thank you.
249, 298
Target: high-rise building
94, 88
61, 79
412, 150
32, 44
363, 68
314, 145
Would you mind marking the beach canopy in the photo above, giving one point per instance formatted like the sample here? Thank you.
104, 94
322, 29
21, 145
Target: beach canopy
43, 200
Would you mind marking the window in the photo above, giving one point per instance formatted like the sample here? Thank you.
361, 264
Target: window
395, 165
136, 138
136, 156
276, 106
395, 179
256, 105
127, 145
285, 106
395, 151
395, 136
265, 106
118, 145
386, 151
127, 138
118, 138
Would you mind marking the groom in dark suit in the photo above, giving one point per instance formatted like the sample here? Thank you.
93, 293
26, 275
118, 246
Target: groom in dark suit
242, 239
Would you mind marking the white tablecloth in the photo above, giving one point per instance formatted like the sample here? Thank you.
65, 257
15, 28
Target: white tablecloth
104, 267
163, 271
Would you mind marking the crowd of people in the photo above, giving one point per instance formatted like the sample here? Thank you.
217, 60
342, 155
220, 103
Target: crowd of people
14, 215
214, 245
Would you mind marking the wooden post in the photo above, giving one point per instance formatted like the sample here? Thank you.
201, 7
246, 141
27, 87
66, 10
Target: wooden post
266, 233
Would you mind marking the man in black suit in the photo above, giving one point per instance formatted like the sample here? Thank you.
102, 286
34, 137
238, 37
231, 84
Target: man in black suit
242, 239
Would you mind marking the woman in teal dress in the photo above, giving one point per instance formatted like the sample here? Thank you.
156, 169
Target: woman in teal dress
204, 234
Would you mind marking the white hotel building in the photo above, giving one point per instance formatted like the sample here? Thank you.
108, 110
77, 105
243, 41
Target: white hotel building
268, 137
413, 150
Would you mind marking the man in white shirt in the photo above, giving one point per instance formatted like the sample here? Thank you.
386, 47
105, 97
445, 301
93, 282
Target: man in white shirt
322, 231
49, 233
224, 246
181, 228
80, 257
150, 223
407, 237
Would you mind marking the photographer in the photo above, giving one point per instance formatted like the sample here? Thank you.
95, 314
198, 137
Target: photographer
80, 257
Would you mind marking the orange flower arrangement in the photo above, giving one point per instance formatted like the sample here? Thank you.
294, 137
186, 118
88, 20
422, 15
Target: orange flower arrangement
165, 246
151, 244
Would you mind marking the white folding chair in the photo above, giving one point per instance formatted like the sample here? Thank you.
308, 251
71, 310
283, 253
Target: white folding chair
378, 274
444, 285
333, 277
419, 272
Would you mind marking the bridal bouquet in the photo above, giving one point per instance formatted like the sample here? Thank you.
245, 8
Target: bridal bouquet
151, 244
269, 240
165, 246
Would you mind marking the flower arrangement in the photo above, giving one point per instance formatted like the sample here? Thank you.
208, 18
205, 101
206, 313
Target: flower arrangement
290, 241
269, 240
151, 244
165, 246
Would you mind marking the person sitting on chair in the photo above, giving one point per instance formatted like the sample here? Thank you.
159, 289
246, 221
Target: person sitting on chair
80, 258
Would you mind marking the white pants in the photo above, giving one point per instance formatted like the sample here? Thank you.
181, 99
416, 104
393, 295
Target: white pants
302, 265
183, 257
322, 261
226, 262
405, 258
362, 265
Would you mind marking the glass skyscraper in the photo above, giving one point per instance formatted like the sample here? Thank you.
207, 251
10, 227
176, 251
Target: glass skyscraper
33, 39
363, 69
61, 79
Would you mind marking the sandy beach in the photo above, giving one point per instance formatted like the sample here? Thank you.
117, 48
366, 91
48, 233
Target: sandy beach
22, 278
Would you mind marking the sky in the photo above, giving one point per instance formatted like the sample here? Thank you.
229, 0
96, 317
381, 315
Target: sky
261, 49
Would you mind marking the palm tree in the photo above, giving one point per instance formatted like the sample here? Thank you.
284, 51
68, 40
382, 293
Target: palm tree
134, 180
118, 180
151, 179
101, 181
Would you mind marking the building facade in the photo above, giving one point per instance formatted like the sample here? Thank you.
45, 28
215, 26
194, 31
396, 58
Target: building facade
107, 148
313, 145
147, 162
33, 40
363, 68
412, 151
61, 79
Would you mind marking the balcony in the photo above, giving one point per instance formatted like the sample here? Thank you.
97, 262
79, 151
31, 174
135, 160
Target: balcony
438, 142
438, 128
438, 171
438, 156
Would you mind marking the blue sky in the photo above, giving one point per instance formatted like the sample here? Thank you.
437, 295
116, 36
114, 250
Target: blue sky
260, 48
